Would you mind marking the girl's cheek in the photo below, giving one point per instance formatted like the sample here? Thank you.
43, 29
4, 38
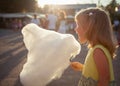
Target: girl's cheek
76, 30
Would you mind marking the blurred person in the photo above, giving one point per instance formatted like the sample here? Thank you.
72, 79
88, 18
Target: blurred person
94, 27
35, 20
15, 24
52, 19
20, 25
116, 24
44, 22
61, 23
70, 24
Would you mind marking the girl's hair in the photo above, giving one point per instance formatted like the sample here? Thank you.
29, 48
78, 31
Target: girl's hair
98, 27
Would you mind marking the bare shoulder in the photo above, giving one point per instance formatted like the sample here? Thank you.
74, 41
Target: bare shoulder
99, 56
99, 53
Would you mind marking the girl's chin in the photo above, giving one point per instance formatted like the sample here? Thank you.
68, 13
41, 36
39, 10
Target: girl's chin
81, 42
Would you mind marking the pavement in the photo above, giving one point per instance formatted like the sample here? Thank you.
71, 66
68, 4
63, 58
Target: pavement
13, 55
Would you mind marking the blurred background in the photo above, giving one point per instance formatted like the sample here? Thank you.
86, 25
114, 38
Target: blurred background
24, 9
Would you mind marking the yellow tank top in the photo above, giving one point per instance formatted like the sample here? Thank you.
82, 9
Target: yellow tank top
90, 69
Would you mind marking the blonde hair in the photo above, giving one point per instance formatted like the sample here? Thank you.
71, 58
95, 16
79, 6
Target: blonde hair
62, 14
98, 27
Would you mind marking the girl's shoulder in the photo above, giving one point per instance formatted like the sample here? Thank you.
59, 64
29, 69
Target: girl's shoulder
100, 47
103, 49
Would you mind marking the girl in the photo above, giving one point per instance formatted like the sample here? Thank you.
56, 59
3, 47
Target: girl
94, 27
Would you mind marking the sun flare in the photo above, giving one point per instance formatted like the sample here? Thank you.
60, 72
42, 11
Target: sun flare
41, 3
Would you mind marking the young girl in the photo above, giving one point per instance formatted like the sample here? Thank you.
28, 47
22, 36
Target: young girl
94, 27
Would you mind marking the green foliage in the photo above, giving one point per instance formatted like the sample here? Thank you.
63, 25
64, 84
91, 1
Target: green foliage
111, 9
11, 6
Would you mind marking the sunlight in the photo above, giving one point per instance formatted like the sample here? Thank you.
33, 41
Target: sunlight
41, 3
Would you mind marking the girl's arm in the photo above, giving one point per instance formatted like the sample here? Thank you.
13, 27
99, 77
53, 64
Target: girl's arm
102, 67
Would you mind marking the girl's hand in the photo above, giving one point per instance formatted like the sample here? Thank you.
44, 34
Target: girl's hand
77, 66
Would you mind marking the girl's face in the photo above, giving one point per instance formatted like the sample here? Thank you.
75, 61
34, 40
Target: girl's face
81, 33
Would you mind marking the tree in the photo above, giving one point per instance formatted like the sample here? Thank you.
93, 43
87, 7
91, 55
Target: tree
111, 9
11, 6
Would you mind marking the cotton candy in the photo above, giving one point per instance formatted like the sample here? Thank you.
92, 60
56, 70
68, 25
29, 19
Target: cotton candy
48, 55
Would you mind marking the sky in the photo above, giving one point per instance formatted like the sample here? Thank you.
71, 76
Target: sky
103, 2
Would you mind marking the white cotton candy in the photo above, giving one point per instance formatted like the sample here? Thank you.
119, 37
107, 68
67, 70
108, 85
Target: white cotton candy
48, 55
